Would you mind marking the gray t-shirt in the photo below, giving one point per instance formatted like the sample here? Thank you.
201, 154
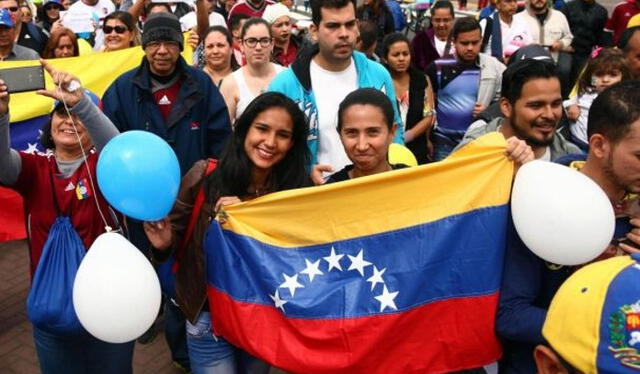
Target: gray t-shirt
21, 53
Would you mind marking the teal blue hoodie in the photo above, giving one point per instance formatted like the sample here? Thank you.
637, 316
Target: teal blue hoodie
295, 82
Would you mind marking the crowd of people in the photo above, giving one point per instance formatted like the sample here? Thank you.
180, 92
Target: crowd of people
268, 104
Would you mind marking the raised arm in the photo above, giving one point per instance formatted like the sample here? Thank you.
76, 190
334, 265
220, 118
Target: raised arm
99, 126
10, 162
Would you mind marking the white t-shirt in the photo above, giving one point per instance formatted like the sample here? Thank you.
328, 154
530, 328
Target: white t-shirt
329, 89
546, 156
440, 46
101, 10
514, 36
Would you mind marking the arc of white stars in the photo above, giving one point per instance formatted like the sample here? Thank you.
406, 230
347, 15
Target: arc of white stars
291, 282
312, 269
376, 277
334, 260
386, 299
358, 262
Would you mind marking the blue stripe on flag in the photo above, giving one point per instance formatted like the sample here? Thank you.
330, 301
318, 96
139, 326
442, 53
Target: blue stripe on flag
25, 135
458, 256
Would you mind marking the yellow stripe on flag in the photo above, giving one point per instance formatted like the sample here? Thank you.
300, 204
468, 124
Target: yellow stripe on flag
96, 71
478, 175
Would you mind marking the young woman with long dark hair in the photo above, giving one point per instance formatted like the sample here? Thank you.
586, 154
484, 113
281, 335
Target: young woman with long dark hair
266, 153
414, 99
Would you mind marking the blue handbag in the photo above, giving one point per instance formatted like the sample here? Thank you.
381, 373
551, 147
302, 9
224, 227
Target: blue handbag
50, 300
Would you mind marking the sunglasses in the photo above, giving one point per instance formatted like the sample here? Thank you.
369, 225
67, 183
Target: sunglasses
117, 29
52, 7
12, 9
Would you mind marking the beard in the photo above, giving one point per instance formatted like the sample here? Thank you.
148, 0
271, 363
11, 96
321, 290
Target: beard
611, 174
538, 9
521, 133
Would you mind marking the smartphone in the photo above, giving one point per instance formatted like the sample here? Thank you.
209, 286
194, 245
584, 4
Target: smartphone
22, 79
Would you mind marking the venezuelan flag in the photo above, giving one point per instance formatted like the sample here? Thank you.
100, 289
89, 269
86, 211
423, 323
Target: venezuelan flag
29, 112
393, 273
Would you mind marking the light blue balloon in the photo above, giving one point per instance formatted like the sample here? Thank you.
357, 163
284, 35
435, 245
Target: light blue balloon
139, 175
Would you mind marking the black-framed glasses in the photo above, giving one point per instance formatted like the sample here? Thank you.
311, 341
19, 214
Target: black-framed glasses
118, 29
252, 42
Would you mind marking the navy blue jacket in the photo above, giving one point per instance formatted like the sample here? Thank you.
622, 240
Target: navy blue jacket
528, 285
198, 125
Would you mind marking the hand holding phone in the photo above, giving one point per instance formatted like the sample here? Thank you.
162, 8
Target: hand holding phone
67, 87
22, 79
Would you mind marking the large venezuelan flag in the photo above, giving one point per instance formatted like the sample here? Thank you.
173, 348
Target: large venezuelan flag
29, 112
394, 273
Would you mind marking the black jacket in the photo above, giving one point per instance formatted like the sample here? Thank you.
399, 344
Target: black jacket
586, 22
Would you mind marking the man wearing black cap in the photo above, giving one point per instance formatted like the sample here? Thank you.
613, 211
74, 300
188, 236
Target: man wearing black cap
176, 102
169, 98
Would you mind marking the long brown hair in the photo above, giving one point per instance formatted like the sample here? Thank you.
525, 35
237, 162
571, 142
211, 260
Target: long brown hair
54, 39
609, 59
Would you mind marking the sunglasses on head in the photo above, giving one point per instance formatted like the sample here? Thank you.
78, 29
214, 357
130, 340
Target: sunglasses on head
118, 29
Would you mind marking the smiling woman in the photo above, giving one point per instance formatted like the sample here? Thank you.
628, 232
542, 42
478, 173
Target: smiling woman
61, 197
120, 31
267, 153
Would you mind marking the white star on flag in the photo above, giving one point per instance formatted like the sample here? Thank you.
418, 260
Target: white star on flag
376, 277
31, 148
358, 263
291, 283
386, 299
334, 260
278, 301
312, 269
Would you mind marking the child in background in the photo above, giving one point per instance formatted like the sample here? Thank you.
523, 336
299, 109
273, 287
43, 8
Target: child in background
605, 68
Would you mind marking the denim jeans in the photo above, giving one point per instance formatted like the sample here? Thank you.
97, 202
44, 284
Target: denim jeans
210, 354
175, 335
441, 149
82, 354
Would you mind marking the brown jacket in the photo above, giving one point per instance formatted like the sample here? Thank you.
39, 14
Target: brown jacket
191, 280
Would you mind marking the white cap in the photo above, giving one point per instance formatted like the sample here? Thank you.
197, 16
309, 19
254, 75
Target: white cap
275, 11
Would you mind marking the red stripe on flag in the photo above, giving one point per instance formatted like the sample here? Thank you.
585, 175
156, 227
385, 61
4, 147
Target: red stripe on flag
12, 225
439, 337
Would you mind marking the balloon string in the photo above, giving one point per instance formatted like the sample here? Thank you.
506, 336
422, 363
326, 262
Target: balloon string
107, 228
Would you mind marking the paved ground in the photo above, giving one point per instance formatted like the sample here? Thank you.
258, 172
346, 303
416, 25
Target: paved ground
17, 353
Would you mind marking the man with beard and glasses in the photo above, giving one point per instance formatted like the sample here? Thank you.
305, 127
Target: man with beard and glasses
529, 283
532, 107
325, 73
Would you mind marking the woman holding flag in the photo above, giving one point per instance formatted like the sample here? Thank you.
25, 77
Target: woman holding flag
65, 213
266, 153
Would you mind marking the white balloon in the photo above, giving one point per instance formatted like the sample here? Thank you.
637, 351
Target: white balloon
562, 215
116, 293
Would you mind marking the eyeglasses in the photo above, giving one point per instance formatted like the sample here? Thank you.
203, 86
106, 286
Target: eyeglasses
118, 29
252, 42
12, 9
